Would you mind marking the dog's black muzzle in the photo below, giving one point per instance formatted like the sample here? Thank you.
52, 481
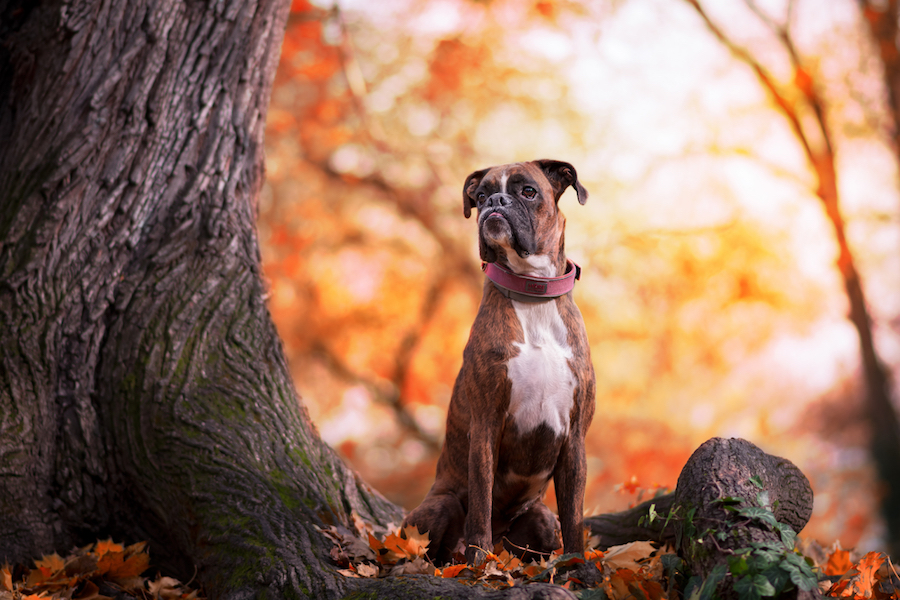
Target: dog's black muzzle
519, 219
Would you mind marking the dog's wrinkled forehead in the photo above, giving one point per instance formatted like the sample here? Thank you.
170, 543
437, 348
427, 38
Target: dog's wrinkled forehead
508, 178
549, 178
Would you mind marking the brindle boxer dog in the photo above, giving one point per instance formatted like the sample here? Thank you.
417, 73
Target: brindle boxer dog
524, 397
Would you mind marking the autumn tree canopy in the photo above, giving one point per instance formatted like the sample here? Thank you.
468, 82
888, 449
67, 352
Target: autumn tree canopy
711, 292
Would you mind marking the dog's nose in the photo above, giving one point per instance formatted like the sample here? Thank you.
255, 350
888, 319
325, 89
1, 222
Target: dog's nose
497, 200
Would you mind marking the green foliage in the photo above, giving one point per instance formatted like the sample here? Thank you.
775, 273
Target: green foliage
705, 589
760, 570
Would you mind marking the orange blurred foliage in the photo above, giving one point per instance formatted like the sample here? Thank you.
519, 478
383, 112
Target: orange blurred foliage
377, 117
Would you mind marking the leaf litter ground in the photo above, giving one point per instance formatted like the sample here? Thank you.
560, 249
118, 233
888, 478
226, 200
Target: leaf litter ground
634, 571
99, 571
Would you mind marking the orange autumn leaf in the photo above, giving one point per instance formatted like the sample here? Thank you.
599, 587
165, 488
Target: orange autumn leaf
417, 542
532, 570
126, 564
594, 555
51, 564
838, 563
105, 546
374, 543
860, 582
453, 570
6, 578
868, 568
508, 562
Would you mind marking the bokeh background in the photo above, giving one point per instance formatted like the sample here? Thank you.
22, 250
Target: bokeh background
710, 288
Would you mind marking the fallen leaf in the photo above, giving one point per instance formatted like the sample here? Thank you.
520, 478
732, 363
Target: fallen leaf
348, 573
594, 555
6, 578
628, 556
419, 566
105, 546
367, 570
165, 588
838, 563
868, 567
453, 570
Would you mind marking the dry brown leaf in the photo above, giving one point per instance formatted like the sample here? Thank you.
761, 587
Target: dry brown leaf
367, 570
80, 565
348, 573
419, 566
165, 588
628, 556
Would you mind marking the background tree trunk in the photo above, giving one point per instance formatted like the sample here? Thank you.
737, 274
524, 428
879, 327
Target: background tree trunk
817, 142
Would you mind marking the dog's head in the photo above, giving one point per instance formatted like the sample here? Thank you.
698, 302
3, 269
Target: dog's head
518, 216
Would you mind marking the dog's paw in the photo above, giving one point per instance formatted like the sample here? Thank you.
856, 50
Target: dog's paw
475, 556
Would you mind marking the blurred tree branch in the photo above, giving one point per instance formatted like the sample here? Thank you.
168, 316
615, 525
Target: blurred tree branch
816, 139
881, 18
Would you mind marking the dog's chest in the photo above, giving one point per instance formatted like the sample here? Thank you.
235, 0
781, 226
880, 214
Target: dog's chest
542, 381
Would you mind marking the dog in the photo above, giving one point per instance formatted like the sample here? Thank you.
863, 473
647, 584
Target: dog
524, 396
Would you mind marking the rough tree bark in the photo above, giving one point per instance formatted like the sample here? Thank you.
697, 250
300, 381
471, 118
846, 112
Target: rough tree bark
143, 389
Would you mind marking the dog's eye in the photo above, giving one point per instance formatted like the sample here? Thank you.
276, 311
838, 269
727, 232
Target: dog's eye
480, 196
529, 192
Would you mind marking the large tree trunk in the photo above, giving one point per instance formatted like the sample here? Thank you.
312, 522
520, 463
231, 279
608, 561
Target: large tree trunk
143, 389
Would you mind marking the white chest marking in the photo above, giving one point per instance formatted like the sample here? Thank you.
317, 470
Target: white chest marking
543, 385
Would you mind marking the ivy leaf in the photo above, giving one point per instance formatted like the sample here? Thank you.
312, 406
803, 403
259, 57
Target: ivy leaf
778, 577
707, 590
800, 572
757, 513
753, 587
788, 536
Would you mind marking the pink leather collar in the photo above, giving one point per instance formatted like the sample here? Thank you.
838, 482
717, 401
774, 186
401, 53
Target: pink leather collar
532, 289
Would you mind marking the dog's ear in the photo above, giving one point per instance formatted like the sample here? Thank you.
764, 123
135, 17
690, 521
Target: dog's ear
562, 175
472, 182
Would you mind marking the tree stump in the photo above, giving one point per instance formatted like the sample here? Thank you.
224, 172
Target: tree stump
733, 518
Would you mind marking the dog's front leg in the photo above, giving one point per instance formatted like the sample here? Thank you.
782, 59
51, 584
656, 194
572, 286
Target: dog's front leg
569, 481
483, 442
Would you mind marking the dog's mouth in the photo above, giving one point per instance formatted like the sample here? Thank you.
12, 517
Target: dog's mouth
502, 229
497, 229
